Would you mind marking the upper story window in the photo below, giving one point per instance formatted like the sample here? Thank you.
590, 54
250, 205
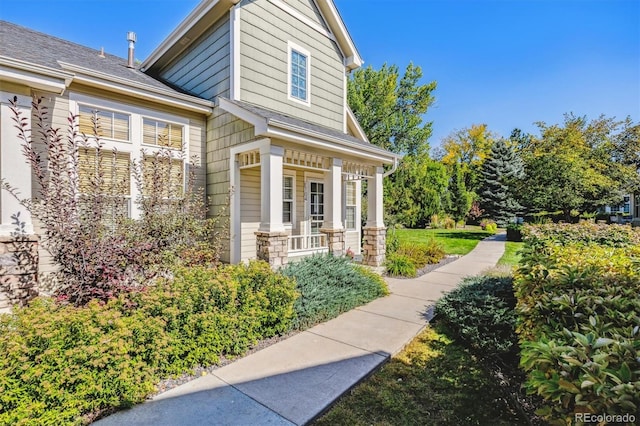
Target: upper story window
299, 74
111, 124
161, 133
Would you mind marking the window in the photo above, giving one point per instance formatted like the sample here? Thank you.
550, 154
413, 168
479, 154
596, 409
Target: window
135, 135
161, 133
299, 74
108, 174
287, 199
111, 124
350, 205
163, 176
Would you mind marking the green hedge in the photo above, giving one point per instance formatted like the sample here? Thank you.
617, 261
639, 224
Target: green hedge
329, 286
578, 305
62, 364
481, 313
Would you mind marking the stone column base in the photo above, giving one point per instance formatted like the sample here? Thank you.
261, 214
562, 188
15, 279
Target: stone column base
335, 240
272, 247
374, 247
18, 270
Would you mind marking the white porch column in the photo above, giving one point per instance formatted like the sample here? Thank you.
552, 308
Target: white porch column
13, 166
332, 224
374, 246
333, 198
374, 200
271, 189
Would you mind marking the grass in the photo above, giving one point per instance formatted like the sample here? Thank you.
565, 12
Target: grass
455, 241
511, 256
433, 381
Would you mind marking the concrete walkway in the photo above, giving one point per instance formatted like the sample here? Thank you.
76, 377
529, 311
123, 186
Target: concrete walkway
293, 381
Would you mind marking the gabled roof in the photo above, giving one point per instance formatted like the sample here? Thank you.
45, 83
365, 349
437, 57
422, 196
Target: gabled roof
208, 11
274, 124
23, 49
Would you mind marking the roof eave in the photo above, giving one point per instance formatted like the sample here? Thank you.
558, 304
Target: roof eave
36, 76
139, 90
328, 8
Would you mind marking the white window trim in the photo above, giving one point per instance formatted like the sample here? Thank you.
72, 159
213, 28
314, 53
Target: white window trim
293, 223
134, 146
291, 46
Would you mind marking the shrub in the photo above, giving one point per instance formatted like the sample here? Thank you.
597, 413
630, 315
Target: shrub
81, 205
481, 312
448, 223
489, 225
435, 221
63, 364
392, 241
422, 254
543, 235
577, 289
399, 265
330, 285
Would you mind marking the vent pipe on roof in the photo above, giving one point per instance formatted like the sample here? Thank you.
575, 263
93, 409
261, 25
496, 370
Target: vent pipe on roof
131, 38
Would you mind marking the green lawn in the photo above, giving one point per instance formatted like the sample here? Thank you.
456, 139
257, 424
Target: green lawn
455, 241
511, 256
433, 381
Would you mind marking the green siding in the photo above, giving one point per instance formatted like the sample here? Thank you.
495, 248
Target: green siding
203, 69
265, 31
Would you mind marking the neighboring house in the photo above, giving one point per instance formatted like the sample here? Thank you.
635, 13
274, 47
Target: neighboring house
256, 89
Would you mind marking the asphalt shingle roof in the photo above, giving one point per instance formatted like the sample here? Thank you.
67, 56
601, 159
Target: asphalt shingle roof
31, 46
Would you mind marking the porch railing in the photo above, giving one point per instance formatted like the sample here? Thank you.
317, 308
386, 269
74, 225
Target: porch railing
299, 243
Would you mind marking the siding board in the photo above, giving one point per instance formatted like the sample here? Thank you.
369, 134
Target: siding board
265, 32
203, 69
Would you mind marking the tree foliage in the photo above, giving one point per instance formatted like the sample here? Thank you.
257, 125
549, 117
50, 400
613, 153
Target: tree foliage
573, 166
390, 107
460, 198
469, 147
419, 189
500, 173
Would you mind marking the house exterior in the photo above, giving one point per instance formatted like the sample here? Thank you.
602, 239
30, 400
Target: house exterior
256, 89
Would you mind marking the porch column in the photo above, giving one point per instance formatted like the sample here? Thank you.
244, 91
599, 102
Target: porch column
13, 165
374, 231
332, 225
271, 238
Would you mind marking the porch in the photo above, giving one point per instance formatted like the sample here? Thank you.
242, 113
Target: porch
289, 202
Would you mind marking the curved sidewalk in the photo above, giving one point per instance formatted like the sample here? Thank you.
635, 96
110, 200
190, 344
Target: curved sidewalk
294, 380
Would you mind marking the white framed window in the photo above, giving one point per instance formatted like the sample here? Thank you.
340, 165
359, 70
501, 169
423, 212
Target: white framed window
134, 134
288, 199
111, 124
350, 205
162, 133
299, 74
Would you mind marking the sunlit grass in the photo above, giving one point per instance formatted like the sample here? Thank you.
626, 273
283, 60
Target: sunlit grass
433, 381
511, 256
455, 241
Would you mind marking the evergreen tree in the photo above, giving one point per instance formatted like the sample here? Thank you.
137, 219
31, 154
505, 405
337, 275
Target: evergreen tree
500, 171
460, 197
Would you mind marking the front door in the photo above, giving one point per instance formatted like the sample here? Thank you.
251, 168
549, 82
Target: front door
316, 206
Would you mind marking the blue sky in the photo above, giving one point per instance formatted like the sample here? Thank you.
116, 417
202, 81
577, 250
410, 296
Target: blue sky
506, 63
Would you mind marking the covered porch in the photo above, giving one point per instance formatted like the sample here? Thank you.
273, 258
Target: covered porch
290, 202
